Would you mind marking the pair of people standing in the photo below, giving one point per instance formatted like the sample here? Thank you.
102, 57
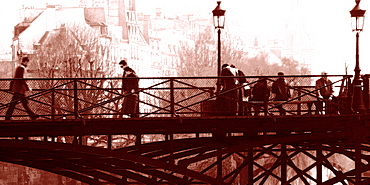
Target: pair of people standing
130, 86
261, 92
231, 99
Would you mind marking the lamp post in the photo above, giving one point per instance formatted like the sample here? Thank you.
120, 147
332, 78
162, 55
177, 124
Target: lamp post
219, 23
357, 16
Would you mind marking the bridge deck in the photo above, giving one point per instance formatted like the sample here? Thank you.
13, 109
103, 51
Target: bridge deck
180, 125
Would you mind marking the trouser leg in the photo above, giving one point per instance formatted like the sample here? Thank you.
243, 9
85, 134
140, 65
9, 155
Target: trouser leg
12, 105
309, 108
26, 107
319, 107
257, 109
281, 110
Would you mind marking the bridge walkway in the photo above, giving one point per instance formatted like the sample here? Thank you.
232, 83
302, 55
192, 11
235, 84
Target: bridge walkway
180, 139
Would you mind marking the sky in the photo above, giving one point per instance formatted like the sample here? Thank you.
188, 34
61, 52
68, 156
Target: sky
323, 25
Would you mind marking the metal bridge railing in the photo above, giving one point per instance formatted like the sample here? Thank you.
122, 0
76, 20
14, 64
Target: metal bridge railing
95, 98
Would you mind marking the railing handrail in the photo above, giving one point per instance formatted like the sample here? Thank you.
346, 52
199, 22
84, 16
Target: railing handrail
199, 77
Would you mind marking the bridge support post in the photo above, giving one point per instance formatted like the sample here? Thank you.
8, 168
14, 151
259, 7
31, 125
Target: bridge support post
358, 152
172, 158
250, 166
283, 164
138, 139
109, 142
219, 164
319, 158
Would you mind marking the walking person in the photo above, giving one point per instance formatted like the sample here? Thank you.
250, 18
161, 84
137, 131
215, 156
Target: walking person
129, 89
19, 87
281, 91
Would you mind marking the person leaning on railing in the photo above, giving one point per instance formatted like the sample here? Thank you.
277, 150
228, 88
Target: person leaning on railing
226, 101
240, 82
324, 90
281, 91
260, 93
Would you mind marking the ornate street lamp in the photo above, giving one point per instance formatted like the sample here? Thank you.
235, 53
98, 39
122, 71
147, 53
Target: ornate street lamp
219, 23
358, 17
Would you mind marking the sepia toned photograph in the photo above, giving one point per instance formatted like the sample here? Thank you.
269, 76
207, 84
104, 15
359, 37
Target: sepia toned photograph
231, 92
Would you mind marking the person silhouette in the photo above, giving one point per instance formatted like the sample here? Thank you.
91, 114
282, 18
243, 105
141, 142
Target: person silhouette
130, 86
19, 87
324, 91
281, 91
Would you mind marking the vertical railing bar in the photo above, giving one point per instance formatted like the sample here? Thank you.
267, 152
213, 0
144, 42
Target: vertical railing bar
299, 106
366, 90
75, 95
172, 97
53, 104
265, 100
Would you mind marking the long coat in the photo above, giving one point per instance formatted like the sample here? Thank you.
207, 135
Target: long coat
326, 89
19, 86
280, 88
131, 82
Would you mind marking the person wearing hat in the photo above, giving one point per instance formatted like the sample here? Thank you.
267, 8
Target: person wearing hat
19, 88
281, 91
130, 86
260, 94
324, 90
227, 101
243, 91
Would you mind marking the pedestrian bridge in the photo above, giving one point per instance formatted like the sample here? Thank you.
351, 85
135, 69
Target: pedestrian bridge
183, 136
88, 98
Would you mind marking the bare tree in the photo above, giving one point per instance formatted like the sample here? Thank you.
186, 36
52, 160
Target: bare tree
75, 50
199, 58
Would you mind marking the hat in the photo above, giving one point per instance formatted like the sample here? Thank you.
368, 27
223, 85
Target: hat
280, 73
25, 59
224, 65
123, 62
324, 73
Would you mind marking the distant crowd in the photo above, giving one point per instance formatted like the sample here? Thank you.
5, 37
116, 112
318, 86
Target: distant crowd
237, 97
